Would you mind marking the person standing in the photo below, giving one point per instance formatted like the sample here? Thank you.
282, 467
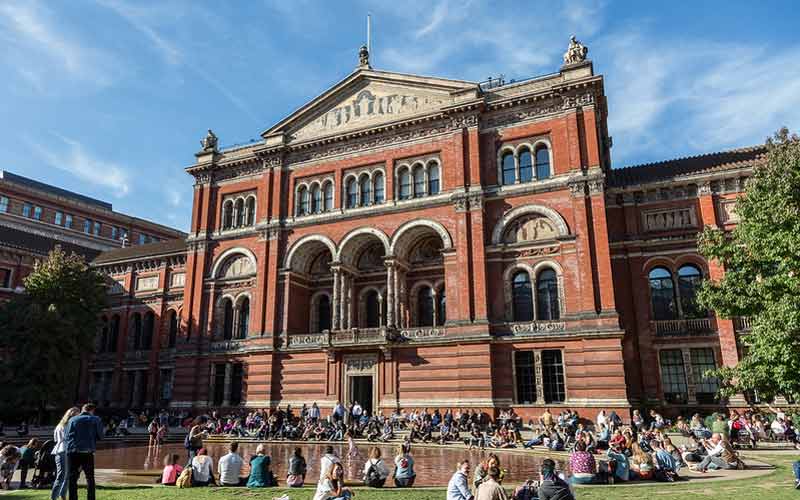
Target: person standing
458, 487
81, 435
60, 454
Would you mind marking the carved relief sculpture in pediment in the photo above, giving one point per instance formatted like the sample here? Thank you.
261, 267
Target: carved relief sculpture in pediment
533, 228
238, 266
368, 106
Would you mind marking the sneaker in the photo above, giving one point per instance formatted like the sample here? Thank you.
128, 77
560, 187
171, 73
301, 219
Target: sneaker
797, 484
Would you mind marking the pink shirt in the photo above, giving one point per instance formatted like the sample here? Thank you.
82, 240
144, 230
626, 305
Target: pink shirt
170, 474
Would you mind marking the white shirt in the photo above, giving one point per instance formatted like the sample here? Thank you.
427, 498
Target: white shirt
383, 472
717, 450
325, 464
229, 467
601, 419
61, 444
201, 468
357, 410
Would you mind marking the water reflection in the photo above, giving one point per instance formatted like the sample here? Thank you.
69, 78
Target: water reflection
433, 465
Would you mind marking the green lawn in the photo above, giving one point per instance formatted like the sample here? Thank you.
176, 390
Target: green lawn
779, 485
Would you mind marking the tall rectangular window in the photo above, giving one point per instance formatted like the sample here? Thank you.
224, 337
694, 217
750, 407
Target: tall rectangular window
87, 226
705, 387
123, 234
526, 377
142, 238
37, 213
26, 209
5, 278
219, 384
553, 376
59, 218
673, 376
237, 378
113, 232
97, 227
3, 204
68, 221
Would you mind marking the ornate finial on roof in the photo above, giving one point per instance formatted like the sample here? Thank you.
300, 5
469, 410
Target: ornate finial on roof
363, 57
209, 142
576, 52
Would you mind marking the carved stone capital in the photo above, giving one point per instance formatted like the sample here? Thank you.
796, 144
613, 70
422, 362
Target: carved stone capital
596, 186
475, 201
577, 189
704, 189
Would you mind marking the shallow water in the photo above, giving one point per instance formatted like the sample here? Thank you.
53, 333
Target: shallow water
433, 465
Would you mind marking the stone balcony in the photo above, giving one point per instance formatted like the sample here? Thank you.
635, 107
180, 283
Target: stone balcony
742, 324
362, 337
683, 327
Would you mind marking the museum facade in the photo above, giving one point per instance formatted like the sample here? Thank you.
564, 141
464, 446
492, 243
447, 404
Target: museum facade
410, 242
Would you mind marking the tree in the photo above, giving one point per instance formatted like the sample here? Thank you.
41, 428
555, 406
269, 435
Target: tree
761, 257
46, 333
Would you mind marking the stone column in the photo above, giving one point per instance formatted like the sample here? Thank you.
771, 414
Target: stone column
343, 301
390, 271
335, 301
350, 301
226, 398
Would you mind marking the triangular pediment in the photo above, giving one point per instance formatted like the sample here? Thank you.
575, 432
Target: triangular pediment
369, 98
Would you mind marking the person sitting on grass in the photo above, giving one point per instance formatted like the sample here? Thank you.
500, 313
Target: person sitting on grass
720, 455
375, 471
332, 487
171, 470
482, 469
458, 487
490, 489
582, 464
202, 469
641, 462
296, 474
260, 474
552, 487
230, 467
620, 463
404, 474
666, 466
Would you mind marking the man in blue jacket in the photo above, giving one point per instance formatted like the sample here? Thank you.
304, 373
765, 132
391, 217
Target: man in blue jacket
81, 435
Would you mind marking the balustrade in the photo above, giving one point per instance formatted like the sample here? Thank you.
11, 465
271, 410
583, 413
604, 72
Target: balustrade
676, 327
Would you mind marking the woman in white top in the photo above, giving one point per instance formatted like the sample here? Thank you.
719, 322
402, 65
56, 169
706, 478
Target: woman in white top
602, 419
60, 452
202, 469
377, 478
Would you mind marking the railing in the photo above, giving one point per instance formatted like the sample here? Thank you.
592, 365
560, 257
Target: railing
742, 324
675, 327
227, 345
538, 327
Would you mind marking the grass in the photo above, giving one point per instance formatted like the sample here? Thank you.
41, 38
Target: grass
779, 485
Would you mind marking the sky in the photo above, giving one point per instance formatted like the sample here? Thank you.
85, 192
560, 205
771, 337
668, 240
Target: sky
110, 98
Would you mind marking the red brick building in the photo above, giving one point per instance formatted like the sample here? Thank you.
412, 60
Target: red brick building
409, 241
35, 217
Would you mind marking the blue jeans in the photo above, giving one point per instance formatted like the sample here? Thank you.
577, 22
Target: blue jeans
60, 483
796, 468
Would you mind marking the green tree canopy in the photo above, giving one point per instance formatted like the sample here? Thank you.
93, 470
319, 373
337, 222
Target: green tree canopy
46, 332
761, 257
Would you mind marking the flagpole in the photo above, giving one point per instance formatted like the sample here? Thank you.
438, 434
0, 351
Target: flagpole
368, 32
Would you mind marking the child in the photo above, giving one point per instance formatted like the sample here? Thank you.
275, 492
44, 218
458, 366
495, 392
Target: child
352, 451
9, 458
162, 434
27, 461
171, 470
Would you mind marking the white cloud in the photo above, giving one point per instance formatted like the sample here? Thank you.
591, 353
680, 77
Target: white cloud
76, 160
440, 13
136, 16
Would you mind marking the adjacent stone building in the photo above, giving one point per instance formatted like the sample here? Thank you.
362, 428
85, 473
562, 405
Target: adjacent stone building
410, 242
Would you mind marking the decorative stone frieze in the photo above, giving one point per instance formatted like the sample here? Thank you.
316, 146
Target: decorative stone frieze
669, 219
538, 327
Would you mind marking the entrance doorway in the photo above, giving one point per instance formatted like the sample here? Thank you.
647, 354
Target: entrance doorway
361, 391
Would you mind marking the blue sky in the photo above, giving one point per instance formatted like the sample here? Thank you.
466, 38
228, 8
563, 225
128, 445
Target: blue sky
110, 97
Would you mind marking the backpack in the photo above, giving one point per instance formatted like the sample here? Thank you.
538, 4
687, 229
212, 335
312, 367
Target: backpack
185, 479
527, 491
373, 477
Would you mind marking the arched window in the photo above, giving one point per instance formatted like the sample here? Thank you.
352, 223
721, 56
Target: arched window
525, 166
137, 331
173, 329
302, 201
377, 183
405, 184
441, 307
251, 211
509, 169
316, 199
239, 212
324, 313
433, 178
366, 191
425, 306
542, 162
521, 297
227, 215
689, 278
114, 339
352, 193
419, 181
244, 318
662, 294
547, 307
149, 327
373, 319
328, 196
103, 346
227, 320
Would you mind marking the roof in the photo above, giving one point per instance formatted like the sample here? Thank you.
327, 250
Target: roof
700, 164
166, 247
47, 188
32, 242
